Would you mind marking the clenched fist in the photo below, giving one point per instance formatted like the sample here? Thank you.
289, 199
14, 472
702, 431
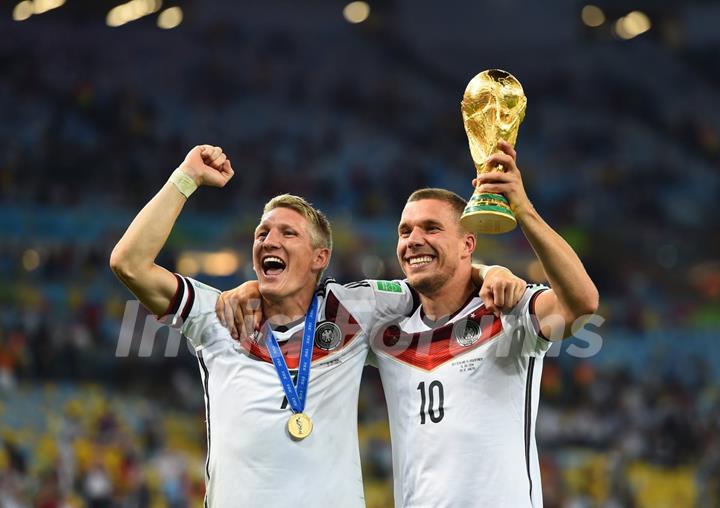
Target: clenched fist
207, 165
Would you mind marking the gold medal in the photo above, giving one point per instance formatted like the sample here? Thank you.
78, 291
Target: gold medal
300, 426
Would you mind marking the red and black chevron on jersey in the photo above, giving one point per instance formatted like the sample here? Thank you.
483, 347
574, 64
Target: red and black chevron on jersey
429, 349
335, 313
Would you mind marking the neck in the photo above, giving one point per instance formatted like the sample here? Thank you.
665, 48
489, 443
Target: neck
286, 309
448, 299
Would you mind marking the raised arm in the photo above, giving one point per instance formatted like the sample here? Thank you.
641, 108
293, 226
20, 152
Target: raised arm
573, 294
133, 258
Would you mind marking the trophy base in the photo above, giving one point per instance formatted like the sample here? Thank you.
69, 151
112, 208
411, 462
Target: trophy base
489, 214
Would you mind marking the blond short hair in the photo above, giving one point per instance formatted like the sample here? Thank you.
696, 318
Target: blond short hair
457, 203
320, 230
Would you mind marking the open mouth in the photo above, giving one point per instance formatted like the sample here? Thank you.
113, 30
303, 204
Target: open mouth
272, 265
420, 260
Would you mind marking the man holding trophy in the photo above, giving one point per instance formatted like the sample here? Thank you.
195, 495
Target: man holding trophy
461, 383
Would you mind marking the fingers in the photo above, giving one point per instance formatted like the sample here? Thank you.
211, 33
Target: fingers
257, 317
508, 297
240, 323
210, 152
219, 162
495, 188
213, 156
508, 149
501, 159
233, 315
227, 168
234, 319
518, 291
499, 294
494, 182
486, 293
491, 177
219, 309
494, 177
224, 312
231, 320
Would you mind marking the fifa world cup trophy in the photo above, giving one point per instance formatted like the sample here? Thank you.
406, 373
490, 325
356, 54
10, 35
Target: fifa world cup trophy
493, 107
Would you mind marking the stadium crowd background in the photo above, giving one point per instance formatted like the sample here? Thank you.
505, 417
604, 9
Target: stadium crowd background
620, 152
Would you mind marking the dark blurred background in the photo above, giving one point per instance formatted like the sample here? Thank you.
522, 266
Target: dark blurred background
354, 106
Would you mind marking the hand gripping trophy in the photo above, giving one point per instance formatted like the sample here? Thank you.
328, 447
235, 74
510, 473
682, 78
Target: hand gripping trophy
493, 107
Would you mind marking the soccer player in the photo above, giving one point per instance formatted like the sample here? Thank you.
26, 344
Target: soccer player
272, 438
462, 384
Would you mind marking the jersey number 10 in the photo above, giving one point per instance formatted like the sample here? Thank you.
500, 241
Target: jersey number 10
430, 396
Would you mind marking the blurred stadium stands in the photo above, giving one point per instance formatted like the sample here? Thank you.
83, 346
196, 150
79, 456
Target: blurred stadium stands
620, 152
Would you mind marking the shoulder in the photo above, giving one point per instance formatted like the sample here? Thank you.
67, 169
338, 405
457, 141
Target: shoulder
381, 292
192, 297
373, 299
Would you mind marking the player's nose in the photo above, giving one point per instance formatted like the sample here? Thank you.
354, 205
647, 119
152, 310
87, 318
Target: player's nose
272, 239
416, 237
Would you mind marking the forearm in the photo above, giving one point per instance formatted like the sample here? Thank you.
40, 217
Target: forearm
133, 258
148, 232
576, 294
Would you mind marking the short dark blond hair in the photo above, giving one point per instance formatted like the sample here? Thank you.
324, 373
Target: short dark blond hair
456, 202
320, 230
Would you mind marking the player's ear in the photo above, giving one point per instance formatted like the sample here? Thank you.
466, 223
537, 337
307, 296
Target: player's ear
321, 258
469, 244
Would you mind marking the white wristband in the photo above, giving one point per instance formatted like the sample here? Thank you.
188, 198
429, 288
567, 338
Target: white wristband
183, 182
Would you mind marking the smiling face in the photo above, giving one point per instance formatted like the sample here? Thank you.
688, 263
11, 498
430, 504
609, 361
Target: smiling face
284, 256
431, 244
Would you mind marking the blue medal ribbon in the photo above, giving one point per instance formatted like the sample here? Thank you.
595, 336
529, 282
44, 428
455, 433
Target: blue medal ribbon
296, 395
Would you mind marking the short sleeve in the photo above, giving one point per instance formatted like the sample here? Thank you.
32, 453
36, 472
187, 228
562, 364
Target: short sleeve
393, 299
374, 303
192, 310
522, 319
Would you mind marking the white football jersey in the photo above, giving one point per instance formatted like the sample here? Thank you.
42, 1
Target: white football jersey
462, 397
252, 460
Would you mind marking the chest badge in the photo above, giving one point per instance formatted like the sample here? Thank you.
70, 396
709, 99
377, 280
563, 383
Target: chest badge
466, 332
328, 336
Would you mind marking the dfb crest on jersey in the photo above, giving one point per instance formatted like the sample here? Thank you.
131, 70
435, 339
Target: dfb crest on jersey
328, 336
466, 332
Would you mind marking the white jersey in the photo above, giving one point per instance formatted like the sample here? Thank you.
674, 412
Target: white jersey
252, 460
462, 397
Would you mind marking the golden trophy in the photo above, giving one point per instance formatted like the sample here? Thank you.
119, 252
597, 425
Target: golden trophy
493, 107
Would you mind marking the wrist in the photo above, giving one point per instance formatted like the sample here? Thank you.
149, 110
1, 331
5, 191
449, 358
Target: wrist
486, 269
189, 171
524, 211
183, 181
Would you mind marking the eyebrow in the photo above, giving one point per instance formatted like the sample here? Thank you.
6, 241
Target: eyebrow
281, 225
425, 224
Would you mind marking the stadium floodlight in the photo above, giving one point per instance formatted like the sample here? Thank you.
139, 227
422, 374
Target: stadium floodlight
131, 11
23, 10
592, 16
27, 8
356, 12
170, 18
632, 25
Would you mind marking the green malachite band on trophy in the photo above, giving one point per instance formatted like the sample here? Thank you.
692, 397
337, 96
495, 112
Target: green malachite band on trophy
486, 208
488, 195
488, 202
